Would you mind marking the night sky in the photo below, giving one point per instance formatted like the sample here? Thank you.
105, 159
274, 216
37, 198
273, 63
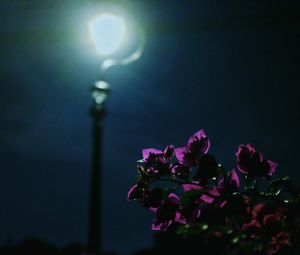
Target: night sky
229, 67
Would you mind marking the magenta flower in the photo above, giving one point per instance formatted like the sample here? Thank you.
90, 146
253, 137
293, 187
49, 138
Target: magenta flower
151, 155
229, 183
197, 146
251, 162
191, 186
166, 213
207, 168
208, 199
157, 161
169, 152
194, 196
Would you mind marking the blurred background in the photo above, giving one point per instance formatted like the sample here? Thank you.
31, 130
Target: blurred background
229, 67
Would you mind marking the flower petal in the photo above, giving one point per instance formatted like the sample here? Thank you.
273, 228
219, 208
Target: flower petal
214, 191
273, 166
207, 199
173, 199
146, 152
161, 226
132, 192
169, 152
187, 187
179, 218
199, 141
234, 177
179, 153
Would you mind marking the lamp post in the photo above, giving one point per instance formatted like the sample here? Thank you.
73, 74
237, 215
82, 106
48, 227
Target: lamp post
107, 31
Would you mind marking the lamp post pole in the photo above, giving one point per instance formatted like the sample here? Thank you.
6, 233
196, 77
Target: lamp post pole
107, 31
99, 93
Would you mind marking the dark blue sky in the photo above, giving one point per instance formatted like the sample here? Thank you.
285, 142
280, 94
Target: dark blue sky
231, 68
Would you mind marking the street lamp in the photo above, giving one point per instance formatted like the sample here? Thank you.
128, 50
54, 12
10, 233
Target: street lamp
107, 31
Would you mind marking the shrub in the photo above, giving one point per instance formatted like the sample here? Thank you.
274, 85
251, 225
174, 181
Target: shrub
209, 207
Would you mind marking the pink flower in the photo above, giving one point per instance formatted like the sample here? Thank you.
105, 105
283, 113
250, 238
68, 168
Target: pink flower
157, 161
167, 213
251, 162
198, 145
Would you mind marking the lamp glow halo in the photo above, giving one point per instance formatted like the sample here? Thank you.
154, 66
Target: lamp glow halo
108, 31
107, 63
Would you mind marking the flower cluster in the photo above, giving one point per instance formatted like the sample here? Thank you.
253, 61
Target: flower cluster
188, 190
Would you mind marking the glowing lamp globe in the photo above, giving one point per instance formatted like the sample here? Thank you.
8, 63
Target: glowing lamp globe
107, 31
